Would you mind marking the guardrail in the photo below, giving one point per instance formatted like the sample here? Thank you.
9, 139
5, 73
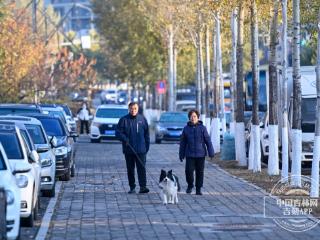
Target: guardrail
3, 211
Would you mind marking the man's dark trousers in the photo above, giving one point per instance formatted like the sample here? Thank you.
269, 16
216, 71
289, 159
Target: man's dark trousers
195, 164
132, 161
84, 124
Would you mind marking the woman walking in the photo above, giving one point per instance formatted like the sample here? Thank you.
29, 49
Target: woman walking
195, 142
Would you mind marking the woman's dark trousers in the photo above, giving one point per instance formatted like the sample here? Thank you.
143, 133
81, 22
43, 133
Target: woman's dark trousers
84, 124
195, 164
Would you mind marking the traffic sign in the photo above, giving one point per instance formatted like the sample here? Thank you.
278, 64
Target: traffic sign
161, 87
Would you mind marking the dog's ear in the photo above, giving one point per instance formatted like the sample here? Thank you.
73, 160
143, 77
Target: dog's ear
162, 175
163, 171
170, 172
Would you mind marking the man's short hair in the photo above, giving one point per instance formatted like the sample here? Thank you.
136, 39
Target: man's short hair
193, 111
132, 104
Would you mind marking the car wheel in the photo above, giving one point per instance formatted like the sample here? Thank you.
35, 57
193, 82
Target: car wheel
95, 140
29, 221
36, 209
66, 176
158, 141
50, 193
73, 170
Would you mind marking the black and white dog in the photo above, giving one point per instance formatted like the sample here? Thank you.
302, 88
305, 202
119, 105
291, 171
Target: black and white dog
169, 183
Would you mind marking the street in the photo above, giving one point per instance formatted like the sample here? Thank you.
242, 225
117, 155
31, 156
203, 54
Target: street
95, 203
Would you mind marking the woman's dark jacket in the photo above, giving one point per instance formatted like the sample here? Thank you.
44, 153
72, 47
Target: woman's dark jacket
195, 141
134, 131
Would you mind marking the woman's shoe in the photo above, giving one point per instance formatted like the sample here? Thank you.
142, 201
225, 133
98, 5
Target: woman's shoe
198, 192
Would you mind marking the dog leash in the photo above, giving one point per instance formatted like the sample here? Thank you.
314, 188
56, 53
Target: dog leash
141, 162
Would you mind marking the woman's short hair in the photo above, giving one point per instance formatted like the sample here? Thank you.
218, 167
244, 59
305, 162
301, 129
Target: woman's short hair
193, 111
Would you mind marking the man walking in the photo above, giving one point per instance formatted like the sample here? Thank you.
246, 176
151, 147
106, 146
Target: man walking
133, 131
84, 116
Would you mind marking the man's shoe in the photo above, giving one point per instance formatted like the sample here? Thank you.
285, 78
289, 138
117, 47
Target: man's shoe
198, 192
189, 190
132, 190
144, 190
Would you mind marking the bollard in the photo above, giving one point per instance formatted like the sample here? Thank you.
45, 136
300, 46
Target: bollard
3, 214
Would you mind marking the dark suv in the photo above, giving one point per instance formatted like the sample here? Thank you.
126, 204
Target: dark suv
64, 149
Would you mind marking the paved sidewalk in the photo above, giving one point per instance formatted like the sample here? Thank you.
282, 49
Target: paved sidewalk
95, 204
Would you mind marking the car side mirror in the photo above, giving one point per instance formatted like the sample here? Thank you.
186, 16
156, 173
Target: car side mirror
21, 168
42, 149
76, 119
53, 142
34, 156
74, 134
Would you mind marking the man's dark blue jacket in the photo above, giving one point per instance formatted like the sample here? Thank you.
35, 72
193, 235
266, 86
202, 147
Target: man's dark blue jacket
135, 131
195, 141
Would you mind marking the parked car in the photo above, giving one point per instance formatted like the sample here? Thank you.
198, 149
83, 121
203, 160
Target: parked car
170, 126
10, 184
12, 108
43, 147
21, 152
185, 105
64, 148
105, 121
71, 121
109, 96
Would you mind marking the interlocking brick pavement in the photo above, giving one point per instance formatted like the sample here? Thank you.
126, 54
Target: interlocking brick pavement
95, 203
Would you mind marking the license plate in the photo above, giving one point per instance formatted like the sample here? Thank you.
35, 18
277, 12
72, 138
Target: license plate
175, 134
110, 132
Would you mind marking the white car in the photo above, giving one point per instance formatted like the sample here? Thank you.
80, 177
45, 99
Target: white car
20, 151
43, 147
10, 184
104, 123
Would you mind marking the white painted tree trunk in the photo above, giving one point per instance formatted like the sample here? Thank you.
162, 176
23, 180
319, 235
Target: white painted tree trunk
215, 135
296, 157
170, 70
255, 160
220, 73
284, 92
240, 144
296, 122
256, 149
208, 124
251, 150
273, 161
316, 148
233, 68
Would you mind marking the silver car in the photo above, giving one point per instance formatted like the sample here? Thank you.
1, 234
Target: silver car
43, 147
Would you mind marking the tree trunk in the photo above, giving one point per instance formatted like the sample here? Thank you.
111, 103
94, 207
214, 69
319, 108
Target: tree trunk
175, 53
284, 94
296, 122
215, 129
202, 81
273, 161
240, 134
198, 80
170, 69
233, 69
316, 148
207, 78
220, 74
255, 158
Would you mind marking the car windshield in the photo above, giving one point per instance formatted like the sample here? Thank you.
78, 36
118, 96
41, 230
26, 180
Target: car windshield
66, 110
174, 117
53, 127
7, 111
2, 163
36, 133
111, 113
11, 145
